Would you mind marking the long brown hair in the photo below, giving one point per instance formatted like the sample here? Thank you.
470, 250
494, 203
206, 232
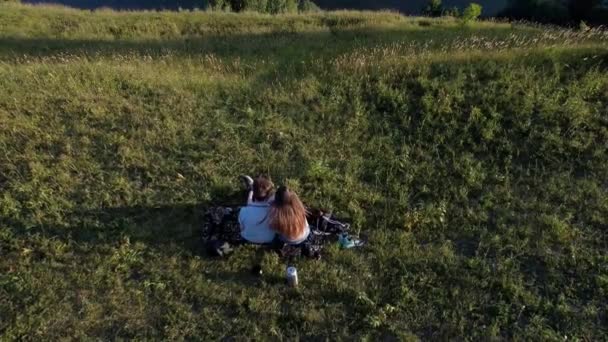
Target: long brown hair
287, 214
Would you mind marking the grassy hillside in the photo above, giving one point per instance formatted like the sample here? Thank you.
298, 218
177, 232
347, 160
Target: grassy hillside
474, 158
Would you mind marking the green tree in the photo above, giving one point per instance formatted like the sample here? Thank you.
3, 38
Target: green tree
471, 13
434, 8
452, 12
281, 6
291, 6
220, 5
255, 5
305, 6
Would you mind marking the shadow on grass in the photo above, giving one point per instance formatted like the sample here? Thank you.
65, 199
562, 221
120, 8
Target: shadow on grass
265, 57
238, 45
163, 226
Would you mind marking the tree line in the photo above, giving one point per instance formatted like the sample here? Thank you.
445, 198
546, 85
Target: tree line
558, 11
491, 7
264, 6
565, 12
547, 11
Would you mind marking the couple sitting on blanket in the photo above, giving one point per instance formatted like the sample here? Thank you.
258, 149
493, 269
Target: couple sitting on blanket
269, 215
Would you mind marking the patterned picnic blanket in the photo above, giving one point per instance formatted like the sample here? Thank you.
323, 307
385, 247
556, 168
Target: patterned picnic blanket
221, 224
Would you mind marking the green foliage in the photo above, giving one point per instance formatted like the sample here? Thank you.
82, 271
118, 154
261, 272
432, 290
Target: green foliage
471, 13
291, 6
220, 5
473, 158
249, 5
452, 12
282, 6
307, 6
261, 6
434, 8
257, 5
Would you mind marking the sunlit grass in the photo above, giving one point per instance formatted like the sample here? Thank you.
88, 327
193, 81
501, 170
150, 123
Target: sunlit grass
473, 157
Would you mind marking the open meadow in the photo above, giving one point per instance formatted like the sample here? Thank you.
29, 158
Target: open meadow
474, 157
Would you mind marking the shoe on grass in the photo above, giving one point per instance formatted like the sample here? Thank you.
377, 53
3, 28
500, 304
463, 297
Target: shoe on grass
219, 248
347, 242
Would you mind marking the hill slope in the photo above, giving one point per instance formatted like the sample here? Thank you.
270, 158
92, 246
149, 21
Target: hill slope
474, 158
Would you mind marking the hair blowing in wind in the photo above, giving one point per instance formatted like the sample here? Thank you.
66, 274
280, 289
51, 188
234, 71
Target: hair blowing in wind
287, 214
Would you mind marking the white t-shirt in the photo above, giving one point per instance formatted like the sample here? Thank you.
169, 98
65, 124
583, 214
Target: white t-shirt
254, 222
300, 239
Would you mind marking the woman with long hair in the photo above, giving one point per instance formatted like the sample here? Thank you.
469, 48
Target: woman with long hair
287, 217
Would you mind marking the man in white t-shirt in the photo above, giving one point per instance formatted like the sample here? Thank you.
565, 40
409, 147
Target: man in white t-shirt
253, 218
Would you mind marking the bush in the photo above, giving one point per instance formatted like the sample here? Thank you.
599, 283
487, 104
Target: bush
281, 6
220, 5
263, 6
305, 6
249, 5
434, 8
452, 12
471, 13
291, 6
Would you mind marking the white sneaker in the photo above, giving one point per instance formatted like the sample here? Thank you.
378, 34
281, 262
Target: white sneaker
248, 181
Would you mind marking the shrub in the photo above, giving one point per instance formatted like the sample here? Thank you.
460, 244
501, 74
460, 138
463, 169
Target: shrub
249, 5
262, 6
291, 6
305, 6
452, 12
471, 13
237, 5
281, 6
274, 6
220, 5
434, 8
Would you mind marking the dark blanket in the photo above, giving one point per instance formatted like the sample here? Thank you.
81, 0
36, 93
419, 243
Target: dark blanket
221, 226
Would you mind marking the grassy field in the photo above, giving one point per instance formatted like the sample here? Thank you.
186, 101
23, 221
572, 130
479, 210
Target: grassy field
474, 157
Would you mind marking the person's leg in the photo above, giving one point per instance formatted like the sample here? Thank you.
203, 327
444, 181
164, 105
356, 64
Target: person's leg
249, 197
248, 181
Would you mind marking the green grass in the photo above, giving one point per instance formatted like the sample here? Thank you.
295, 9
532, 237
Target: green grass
474, 157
